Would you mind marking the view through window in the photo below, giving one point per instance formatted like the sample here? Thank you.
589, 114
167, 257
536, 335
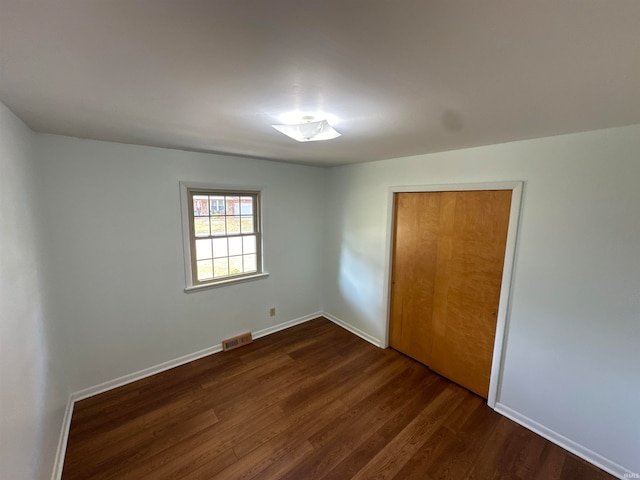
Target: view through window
225, 235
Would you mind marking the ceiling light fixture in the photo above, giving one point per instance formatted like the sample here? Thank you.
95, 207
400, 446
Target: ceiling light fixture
309, 130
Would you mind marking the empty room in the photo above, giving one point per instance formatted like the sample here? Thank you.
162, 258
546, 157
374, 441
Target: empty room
319, 240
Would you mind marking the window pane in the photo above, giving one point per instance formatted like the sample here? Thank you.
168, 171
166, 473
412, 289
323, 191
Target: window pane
235, 246
216, 205
221, 267
249, 244
201, 226
233, 225
233, 205
217, 226
200, 206
246, 205
250, 263
224, 234
235, 265
247, 224
203, 249
220, 247
205, 270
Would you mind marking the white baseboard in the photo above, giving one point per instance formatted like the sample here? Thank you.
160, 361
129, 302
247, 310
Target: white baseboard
176, 362
147, 372
566, 443
285, 325
58, 462
140, 374
354, 330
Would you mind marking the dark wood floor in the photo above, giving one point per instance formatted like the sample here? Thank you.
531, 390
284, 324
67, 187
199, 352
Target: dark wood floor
310, 402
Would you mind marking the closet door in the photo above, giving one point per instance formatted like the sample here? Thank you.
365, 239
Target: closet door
447, 264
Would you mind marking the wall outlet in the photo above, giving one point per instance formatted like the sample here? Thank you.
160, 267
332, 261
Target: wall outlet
272, 312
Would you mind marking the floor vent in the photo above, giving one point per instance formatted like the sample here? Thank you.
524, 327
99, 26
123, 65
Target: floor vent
235, 342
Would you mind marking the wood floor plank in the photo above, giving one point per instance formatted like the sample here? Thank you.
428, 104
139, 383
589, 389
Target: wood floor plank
575, 468
390, 460
341, 435
267, 453
182, 407
418, 464
458, 457
487, 463
525, 462
309, 402
363, 454
551, 463
141, 444
202, 446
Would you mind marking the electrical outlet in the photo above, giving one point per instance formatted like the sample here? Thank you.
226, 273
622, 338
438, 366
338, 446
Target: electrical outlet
272, 312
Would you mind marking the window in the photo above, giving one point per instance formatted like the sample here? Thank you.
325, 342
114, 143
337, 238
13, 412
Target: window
224, 238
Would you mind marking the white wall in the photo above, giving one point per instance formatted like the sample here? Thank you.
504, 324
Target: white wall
32, 391
572, 360
114, 224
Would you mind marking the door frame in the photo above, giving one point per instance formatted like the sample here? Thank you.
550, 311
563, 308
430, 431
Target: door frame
504, 307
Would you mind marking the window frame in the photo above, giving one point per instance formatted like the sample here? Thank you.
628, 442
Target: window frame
187, 191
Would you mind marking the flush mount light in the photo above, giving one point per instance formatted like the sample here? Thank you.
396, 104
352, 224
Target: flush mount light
309, 130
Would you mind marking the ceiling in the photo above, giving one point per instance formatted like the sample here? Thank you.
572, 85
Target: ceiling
401, 77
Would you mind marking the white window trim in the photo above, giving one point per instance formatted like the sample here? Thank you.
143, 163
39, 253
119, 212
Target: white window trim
190, 287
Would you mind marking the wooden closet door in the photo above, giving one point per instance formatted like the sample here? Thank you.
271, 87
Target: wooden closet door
448, 258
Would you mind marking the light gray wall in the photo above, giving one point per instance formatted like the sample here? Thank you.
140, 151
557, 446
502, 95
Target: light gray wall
33, 393
114, 223
572, 345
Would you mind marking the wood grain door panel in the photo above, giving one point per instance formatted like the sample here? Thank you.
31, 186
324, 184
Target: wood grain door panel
448, 259
415, 257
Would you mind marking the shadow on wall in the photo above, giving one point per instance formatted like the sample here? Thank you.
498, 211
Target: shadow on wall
359, 272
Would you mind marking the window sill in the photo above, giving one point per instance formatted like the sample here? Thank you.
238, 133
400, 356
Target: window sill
224, 283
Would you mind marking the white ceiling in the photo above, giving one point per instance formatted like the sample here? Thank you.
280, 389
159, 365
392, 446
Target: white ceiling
404, 77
